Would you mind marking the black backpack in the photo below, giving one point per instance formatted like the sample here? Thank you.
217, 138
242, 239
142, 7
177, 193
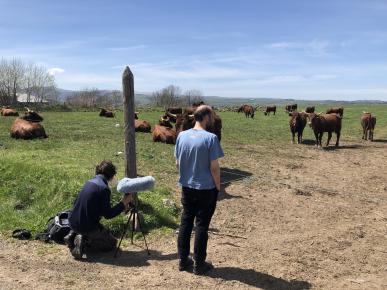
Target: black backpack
57, 228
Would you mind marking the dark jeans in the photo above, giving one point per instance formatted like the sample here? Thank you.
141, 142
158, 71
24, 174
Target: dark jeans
100, 240
199, 205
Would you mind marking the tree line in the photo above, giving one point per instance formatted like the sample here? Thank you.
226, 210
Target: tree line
171, 96
17, 76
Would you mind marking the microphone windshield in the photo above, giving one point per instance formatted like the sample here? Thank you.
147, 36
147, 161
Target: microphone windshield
128, 185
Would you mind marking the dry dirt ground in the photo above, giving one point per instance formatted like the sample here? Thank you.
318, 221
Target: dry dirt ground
307, 218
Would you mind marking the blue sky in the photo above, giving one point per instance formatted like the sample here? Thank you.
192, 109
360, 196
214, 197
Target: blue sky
284, 49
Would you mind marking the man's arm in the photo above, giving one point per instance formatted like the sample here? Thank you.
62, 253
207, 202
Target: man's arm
177, 164
215, 172
111, 212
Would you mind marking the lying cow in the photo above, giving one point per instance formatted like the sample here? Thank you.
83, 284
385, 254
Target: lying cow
8, 112
142, 126
310, 109
28, 126
106, 113
290, 108
321, 123
368, 123
339, 111
248, 110
297, 125
270, 109
164, 134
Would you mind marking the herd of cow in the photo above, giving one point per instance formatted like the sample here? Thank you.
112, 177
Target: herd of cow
329, 122
28, 126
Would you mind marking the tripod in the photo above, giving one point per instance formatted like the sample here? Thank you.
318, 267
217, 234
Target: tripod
133, 215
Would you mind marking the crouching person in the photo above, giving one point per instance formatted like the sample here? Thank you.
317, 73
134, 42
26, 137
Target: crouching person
91, 204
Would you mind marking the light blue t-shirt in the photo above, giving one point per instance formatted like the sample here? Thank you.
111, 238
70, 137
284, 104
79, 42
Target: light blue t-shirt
194, 150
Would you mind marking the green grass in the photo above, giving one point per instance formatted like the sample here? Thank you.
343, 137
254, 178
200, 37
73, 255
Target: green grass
41, 177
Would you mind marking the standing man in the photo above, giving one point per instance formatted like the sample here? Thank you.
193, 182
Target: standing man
197, 152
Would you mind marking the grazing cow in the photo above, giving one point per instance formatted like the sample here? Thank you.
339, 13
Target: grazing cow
368, 123
8, 112
186, 122
142, 126
28, 127
248, 110
339, 111
297, 124
164, 121
106, 113
270, 109
310, 109
321, 123
164, 134
291, 108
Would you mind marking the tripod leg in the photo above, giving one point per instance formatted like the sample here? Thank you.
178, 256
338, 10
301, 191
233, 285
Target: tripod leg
123, 234
133, 224
143, 234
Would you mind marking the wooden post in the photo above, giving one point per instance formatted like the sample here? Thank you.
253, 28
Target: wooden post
130, 136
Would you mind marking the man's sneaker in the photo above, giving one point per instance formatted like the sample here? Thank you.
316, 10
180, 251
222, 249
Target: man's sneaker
77, 251
69, 240
185, 264
202, 268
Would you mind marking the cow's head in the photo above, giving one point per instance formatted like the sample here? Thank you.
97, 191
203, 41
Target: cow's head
32, 116
164, 121
184, 122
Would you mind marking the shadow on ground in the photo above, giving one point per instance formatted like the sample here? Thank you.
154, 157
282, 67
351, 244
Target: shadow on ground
257, 279
380, 140
228, 176
128, 258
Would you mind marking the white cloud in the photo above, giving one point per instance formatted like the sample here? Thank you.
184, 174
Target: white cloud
55, 71
126, 48
317, 47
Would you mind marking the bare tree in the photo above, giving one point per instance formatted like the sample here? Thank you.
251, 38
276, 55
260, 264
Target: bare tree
192, 96
166, 97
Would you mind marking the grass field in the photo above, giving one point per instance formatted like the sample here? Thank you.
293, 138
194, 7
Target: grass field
41, 177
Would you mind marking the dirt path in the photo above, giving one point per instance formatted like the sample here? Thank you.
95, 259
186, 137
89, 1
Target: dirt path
305, 219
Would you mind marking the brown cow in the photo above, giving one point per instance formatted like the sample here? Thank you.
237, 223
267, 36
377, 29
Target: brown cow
186, 122
339, 111
142, 126
174, 110
164, 121
290, 108
310, 109
164, 134
248, 110
8, 112
368, 123
321, 123
28, 127
270, 109
106, 113
297, 125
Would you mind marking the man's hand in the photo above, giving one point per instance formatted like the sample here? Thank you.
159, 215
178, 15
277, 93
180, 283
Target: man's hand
127, 199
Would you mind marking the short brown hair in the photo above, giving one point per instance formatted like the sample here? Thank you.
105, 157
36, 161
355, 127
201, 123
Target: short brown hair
201, 112
106, 168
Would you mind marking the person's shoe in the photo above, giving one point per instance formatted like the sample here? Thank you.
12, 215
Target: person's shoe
77, 251
202, 268
69, 240
185, 264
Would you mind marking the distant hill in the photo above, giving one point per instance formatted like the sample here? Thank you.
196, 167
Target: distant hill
144, 99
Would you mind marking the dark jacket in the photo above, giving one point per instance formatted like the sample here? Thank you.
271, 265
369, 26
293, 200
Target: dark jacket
93, 203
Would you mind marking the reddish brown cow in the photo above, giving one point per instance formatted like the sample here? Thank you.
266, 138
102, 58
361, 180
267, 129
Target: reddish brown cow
142, 126
297, 125
106, 113
8, 112
270, 109
164, 121
325, 123
248, 110
28, 127
186, 122
164, 134
368, 123
291, 108
174, 110
339, 111
310, 109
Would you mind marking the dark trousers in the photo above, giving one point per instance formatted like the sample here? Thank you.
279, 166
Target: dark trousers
100, 240
198, 205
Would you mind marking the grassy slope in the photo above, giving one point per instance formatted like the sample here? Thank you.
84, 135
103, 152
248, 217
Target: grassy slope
42, 177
